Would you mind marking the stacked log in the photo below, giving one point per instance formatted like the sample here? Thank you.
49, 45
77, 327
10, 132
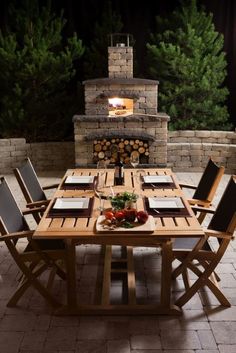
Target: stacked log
108, 149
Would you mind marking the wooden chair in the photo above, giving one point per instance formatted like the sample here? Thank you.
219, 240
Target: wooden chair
32, 190
36, 257
199, 257
206, 188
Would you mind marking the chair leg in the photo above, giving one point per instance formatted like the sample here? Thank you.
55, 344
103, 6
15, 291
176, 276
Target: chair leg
31, 279
204, 279
186, 279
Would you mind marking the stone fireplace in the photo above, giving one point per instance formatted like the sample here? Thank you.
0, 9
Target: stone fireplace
121, 114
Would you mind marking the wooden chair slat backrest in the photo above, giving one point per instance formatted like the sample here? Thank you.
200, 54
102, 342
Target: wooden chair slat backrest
10, 213
209, 181
29, 182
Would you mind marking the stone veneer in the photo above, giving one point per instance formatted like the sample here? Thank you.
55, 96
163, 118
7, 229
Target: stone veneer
120, 62
190, 150
45, 156
151, 127
143, 92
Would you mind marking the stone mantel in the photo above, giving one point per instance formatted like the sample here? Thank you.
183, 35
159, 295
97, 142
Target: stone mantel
120, 81
130, 118
121, 133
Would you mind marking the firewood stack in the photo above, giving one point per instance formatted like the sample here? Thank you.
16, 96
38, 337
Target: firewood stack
108, 149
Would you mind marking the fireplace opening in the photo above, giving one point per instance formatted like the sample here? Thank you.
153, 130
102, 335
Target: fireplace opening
107, 149
120, 106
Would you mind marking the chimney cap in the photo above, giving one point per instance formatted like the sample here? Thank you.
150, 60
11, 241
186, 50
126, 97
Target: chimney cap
121, 39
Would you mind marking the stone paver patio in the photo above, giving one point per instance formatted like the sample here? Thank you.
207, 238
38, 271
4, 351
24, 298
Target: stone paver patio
204, 327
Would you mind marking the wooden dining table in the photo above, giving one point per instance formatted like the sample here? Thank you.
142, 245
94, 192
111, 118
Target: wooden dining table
76, 230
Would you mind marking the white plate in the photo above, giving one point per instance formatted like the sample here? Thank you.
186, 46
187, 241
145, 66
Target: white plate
76, 179
147, 227
73, 203
157, 179
165, 202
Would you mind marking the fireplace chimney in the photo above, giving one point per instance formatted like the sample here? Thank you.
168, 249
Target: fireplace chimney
120, 56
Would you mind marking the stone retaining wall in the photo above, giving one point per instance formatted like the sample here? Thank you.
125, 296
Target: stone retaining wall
44, 156
187, 151
190, 150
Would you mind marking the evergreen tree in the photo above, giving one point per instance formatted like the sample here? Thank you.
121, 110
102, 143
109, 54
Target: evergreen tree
36, 67
96, 55
186, 55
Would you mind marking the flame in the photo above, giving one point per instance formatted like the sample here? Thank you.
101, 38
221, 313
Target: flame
116, 102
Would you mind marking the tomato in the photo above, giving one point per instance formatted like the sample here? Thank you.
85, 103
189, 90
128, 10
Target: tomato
120, 215
109, 214
142, 216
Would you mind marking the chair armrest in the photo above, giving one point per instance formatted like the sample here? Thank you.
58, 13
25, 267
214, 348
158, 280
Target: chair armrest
34, 210
31, 205
52, 186
188, 186
203, 209
18, 235
217, 234
198, 202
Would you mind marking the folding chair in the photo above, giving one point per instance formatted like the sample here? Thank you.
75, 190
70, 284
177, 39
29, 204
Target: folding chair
32, 190
206, 188
37, 256
201, 259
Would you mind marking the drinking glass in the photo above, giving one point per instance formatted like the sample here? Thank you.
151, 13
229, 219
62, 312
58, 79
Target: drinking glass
134, 159
100, 190
139, 177
101, 166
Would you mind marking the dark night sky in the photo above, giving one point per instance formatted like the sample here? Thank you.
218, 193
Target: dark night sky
139, 18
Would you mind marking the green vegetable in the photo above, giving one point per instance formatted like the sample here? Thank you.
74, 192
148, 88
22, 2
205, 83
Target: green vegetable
127, 225
118, 201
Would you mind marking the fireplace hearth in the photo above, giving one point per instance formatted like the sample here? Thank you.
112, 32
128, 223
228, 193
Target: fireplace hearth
121, 112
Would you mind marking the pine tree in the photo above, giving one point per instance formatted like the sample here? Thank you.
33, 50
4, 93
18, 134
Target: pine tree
96, 55
186, 56
36, 67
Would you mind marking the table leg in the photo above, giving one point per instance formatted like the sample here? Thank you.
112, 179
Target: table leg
71, 274
166, 274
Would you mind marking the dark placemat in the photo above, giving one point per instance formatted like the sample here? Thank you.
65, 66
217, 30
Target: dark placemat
166, 212
157, 185
76, 186
81, 213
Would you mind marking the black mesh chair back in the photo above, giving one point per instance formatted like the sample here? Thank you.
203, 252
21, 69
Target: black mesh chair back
206, 182
226, 208
10, 213
29, 182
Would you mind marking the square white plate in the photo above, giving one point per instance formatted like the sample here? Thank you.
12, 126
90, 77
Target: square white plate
73, 203
165, 202
76, 179
157, 179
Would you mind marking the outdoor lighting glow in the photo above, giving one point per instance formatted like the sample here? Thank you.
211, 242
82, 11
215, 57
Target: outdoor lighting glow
116, 102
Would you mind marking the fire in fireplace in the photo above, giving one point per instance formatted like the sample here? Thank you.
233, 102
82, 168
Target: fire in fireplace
120, 106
